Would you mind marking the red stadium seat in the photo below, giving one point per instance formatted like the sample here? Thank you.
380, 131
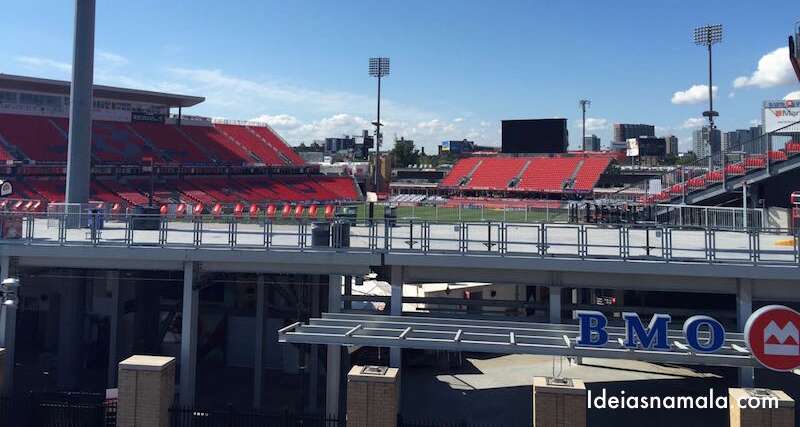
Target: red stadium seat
329, 210
287, 210
237, 210
312, 211
198, 209
298, 211
254, 210
180, 210
271, 209
217, 210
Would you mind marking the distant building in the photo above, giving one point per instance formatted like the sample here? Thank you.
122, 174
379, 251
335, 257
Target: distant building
706, 143
748, 140
626, 131
672, 145
591, 143
534, 136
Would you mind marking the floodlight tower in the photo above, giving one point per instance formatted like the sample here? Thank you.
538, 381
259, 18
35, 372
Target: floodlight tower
584, 103
378, 67
709, 35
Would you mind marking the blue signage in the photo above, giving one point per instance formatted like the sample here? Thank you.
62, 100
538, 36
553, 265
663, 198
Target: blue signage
703, 334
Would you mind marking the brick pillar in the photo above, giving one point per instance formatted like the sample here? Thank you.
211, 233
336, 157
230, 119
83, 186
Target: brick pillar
146, 391
373, 396
747, 416
559, 404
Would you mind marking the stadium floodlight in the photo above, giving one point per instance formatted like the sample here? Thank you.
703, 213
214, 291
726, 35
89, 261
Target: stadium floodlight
584, 103
378, 67
709, 35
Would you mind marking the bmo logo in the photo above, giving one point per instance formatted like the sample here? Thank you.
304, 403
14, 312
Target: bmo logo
773, 335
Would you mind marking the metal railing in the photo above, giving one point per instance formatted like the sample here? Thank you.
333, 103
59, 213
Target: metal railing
623, 242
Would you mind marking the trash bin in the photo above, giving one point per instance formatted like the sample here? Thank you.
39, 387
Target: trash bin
145, 218
390, 215
321, 234
340, 234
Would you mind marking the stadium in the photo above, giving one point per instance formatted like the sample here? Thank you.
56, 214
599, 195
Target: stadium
194, 271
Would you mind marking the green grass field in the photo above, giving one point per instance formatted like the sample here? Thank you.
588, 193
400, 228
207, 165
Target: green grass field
434, 213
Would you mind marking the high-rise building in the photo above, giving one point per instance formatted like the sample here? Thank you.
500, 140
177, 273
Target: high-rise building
746, 140
672, 145
626, 131
705, 142
591, 143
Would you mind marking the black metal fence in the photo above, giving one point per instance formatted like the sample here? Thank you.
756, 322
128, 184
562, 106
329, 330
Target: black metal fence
58, 409
184, 416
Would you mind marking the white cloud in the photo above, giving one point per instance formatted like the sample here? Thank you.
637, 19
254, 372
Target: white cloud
774, 69
693, 123
279, 121
111, 59
793, 95
693, 95
732, 95
595, 124
42, 65
458, 120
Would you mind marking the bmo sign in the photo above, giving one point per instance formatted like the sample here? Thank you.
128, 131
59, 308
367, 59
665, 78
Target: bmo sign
771, 333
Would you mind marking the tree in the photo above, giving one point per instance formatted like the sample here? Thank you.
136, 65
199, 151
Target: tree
404, 153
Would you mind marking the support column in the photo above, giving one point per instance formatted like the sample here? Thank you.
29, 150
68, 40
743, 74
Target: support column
72, 309
334, 365
114, 324
258, 364
146, 391
348, 291
80, 111
8, 334
313, 359
748, 407
191, 298
555, 304
395, 353
559, 402
744, 308
373, 396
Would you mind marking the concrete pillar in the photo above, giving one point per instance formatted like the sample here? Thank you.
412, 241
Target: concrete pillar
555, 304
258, 364
79, 150
8, 334
744, 308
334, 365
744, 412
395, 353
313, 357
72, 309
373, 396
115, 324
146, 391
558, 403
191, 298
3, 372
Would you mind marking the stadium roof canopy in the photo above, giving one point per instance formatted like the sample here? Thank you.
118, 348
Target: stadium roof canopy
61, 87
496, 336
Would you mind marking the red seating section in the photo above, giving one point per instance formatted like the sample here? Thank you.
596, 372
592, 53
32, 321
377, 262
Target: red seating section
543, 174
459, 171
38, 137
44, 139
496, 172
548, 174
207, 190
276, 143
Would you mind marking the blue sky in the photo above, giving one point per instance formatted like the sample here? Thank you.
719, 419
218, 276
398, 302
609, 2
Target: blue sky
458, 67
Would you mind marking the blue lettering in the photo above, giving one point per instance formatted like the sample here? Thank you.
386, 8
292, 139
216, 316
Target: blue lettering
691, 330
593, 328
652, 337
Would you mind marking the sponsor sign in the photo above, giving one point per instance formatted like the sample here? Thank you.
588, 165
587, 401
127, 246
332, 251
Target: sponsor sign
6, 188
138, 116
780, 114
772, 334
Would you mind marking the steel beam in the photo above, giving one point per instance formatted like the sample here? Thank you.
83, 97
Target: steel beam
334, 362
